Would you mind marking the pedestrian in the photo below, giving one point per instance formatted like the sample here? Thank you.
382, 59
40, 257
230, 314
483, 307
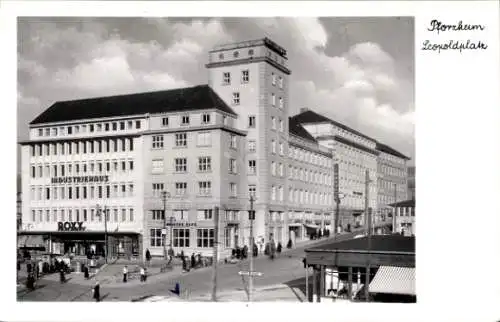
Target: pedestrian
184, 264
148, 257
37, 271
28, 267
143, 274
193, 261
125, 272
238, 253
30, 282
170, 255
279, 248
255, 250
62, 278
86, 272
304, 262
97, 292
245, 252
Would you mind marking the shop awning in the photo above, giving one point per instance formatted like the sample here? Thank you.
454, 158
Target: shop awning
394, 280
30, 241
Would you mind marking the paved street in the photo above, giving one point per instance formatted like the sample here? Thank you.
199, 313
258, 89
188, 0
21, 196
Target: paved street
287, 269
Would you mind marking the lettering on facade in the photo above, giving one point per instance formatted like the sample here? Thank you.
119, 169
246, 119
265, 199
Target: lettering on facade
182, 224
336, 181
70, 226
82, 179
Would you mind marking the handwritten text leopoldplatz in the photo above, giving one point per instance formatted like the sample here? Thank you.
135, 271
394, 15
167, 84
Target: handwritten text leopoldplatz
439, 28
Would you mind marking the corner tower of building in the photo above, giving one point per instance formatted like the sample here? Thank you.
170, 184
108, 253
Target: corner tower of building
252, 78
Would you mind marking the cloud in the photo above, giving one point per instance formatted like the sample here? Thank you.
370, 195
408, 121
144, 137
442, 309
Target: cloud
73, 58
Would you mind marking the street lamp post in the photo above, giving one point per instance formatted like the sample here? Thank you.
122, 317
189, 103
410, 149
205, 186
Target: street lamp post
105, 211
165, 195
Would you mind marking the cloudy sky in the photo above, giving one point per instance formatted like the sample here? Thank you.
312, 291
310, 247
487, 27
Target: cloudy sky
358, 71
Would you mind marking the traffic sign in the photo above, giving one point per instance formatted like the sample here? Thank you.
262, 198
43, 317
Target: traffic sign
247, 273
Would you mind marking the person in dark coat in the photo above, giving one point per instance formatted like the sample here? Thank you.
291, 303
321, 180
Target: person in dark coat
238, 253
30, 282
304, 262
86, 272
245, 252
170, 255
279, 248
289, 244
255, 250
62, 278
28, 267
148, 257
184, 263
97, 292
193, 261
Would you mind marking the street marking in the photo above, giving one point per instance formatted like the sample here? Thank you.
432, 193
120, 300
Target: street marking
247, 273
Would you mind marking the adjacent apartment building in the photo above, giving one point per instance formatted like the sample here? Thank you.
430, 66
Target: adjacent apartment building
150, 169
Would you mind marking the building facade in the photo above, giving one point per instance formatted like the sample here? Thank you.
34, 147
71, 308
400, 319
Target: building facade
411, 182
355, 154
149, 170
392, 179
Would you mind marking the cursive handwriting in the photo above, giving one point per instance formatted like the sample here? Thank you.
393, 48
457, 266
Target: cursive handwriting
454, 45
438, 26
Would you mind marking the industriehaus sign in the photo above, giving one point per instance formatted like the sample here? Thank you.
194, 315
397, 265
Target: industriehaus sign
81, 179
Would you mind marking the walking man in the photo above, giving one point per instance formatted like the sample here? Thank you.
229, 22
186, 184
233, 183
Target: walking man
148, 257
143, 275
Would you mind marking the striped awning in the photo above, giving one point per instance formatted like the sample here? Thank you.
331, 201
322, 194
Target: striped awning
394, 280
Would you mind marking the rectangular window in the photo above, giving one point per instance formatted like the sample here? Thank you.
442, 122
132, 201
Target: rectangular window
205, 164
204, 188
40, 132
84, 192
205, 214
158, 214
273, 123
273, 99
124, 166
180, 214
131, 165
273, 193
157, 189
281, 170
70, 130
204, 139
205, 118
273, 146
157, 142
236, 98
180, 237
157, 166
226, 78
137, 124
273, 77
232, 166
131, 214
281, 82
124, 215
233, 191
180, 188
252, 167
273, 168
180, 165
245, 76
181, 139
130, 190
164, 121
281, 104
234, 142
205, 237
252, 145
251, 122
282, 148
114, 126
156, 237
252, 191
185, 120
131, 144
47, 193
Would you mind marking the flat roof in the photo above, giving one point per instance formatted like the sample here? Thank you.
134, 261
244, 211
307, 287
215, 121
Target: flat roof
379, 243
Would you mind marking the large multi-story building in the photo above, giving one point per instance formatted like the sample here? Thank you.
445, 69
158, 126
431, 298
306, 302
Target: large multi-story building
392, 179
355, 154
160, 163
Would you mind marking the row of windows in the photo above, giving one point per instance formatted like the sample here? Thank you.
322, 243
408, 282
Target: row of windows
307, 197
280, 122
91, 167
309, 176
82, 147
122, 190
181, 189
89, 215
309, 157
181, 140
205, 237
185, 120
236, 100
181, 165
88, 128
202, 214
353, 137
392, 171
244, 77
393, 158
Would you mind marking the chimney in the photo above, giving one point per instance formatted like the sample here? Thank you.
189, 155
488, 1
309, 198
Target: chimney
304, 109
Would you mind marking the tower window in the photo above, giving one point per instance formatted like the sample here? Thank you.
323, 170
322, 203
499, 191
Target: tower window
236, 54
221, 56
236, 98
250, 52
